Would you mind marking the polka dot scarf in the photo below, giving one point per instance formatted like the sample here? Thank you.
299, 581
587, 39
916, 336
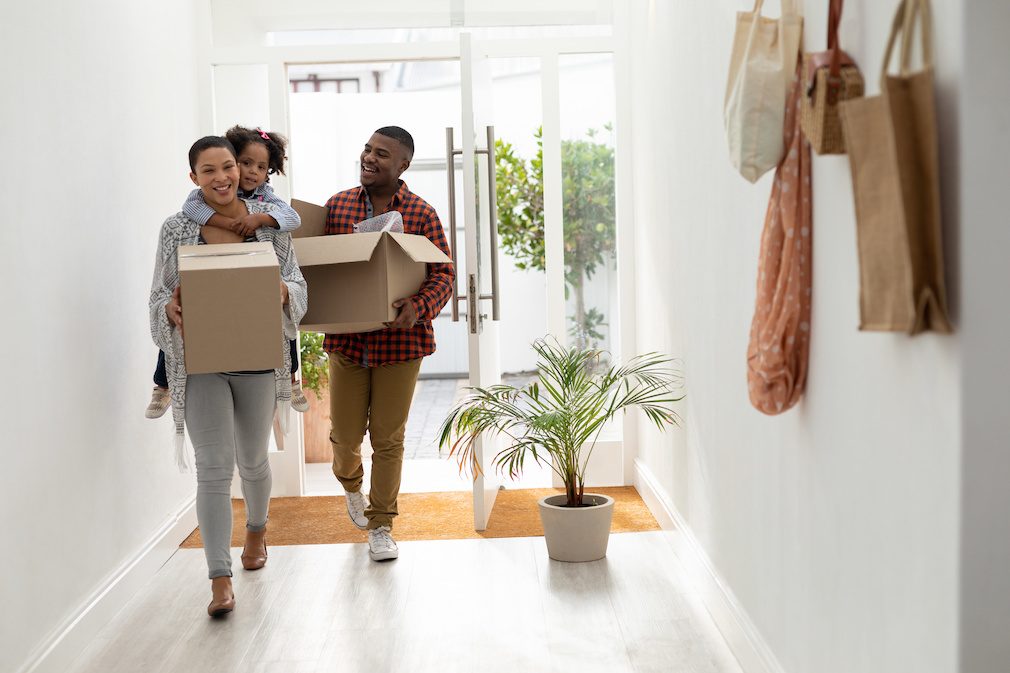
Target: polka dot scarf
780, 331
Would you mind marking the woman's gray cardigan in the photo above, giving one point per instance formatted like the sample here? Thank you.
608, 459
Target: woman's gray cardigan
181, 230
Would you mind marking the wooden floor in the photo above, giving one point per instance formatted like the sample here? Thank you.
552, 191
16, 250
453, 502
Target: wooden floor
458, 605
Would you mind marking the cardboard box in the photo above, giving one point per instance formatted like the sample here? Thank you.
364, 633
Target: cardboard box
231, 307
353, 279
313, 219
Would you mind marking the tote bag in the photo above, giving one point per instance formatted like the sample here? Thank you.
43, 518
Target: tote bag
893, 155
760, 72
779, 345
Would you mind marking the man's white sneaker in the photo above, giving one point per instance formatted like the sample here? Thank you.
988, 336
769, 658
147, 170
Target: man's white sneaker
381, 545
299, 402
356, 504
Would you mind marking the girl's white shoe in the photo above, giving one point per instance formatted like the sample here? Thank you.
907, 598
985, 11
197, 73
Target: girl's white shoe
299, 402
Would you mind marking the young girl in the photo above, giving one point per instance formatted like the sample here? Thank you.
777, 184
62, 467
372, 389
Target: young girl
260, 155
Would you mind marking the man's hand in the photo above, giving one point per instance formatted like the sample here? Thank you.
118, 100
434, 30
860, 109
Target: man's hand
284, 293
173, 309
407, 317
248, 224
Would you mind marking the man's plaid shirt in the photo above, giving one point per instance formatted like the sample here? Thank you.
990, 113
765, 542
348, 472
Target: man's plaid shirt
372, 349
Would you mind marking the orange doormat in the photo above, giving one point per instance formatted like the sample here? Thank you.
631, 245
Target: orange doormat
426, 516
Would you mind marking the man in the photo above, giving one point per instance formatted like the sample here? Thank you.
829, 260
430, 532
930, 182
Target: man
372, 375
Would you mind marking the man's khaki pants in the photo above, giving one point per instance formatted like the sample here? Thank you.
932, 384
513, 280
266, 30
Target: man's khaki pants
376, 399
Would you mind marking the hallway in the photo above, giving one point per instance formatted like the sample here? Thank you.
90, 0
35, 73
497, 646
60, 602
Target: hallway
864, 530
442, 607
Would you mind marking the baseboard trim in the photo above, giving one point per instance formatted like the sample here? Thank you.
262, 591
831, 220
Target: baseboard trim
742, 636
655, 496
67, 641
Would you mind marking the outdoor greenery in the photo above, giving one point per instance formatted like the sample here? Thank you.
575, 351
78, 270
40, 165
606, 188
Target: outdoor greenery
315, 363
558, 418
587, 168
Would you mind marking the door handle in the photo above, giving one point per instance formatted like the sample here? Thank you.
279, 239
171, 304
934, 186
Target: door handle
493, 196
473, 294
473, 309
450, 167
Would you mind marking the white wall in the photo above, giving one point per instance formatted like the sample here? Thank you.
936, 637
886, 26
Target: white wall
836, 524
985, 368
99, 110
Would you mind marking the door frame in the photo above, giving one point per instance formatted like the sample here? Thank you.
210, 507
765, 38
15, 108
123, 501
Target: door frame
481, 324
288, 463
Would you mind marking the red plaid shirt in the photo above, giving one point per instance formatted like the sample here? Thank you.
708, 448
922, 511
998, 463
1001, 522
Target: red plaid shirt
372, 349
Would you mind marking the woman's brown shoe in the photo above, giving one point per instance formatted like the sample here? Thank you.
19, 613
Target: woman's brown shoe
254, 553
223, 600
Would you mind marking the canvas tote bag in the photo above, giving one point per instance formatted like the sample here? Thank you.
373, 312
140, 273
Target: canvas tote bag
893, 155
780, 330
760, 72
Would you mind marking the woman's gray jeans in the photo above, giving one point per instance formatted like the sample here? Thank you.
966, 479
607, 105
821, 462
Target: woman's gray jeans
229, 417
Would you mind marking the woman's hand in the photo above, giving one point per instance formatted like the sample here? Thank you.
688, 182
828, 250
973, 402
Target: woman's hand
173, 309
284, 294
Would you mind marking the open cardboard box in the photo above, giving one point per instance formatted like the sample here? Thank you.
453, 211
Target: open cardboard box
354, 279
231, 307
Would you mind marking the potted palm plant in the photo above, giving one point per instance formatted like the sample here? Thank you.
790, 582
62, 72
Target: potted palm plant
556, 420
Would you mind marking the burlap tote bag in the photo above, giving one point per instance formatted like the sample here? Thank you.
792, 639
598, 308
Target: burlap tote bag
831, 77
780, 330
761, 68
892, 144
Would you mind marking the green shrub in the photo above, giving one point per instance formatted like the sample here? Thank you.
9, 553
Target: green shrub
315, 363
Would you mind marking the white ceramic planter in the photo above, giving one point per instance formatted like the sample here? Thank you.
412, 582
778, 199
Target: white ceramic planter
577, 534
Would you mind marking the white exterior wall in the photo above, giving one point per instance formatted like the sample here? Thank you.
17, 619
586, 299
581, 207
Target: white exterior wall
99, 109
835, 524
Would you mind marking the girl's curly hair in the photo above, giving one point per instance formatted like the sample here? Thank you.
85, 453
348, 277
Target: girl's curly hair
275, 143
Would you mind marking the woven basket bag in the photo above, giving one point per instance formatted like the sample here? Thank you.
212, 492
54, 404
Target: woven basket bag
831, 77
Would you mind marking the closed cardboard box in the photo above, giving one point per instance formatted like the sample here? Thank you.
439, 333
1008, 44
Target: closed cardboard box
353, 279
231, 307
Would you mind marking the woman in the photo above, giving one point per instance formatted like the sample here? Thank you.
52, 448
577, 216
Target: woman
229, 415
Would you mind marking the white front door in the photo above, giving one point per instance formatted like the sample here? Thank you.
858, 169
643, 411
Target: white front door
477, 279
